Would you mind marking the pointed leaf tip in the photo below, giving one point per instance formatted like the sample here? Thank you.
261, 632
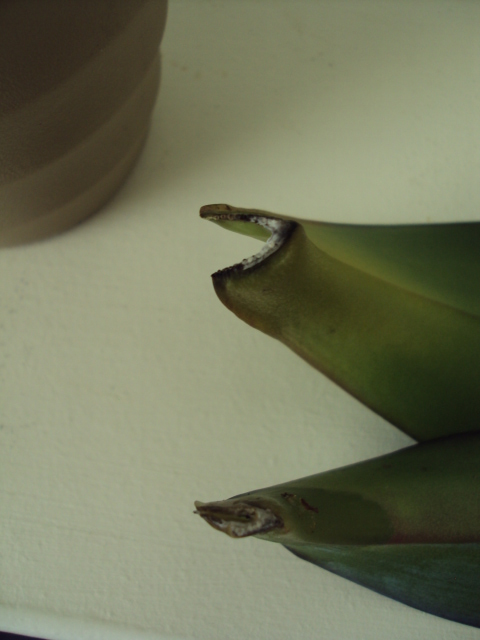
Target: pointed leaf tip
238, 519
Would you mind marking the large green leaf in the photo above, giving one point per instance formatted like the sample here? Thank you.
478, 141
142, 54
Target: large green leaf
392, 314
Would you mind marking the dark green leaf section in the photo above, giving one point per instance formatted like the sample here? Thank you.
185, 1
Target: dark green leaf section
412, 359
441, 579
438, 261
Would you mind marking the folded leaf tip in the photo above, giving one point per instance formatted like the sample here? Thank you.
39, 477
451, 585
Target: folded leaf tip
254, 223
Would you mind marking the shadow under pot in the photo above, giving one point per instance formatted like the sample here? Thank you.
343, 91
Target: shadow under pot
78, 82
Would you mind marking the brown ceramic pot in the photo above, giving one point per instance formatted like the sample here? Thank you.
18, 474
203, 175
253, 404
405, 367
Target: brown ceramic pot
78, 81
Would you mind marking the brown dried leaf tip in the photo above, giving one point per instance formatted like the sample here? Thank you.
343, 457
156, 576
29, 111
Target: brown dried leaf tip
238, 519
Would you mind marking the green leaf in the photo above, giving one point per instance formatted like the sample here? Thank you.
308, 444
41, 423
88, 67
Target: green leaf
406, 525
392, 314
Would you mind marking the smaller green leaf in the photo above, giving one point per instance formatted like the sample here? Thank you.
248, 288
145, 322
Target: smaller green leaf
406, 525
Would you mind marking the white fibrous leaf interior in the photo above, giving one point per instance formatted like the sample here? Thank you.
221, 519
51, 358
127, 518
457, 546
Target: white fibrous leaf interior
278, 232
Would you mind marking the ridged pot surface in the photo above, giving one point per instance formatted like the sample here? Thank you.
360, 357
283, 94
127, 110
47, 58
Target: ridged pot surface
78, 82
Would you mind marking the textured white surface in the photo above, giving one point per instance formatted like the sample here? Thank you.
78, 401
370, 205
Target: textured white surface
127, 391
